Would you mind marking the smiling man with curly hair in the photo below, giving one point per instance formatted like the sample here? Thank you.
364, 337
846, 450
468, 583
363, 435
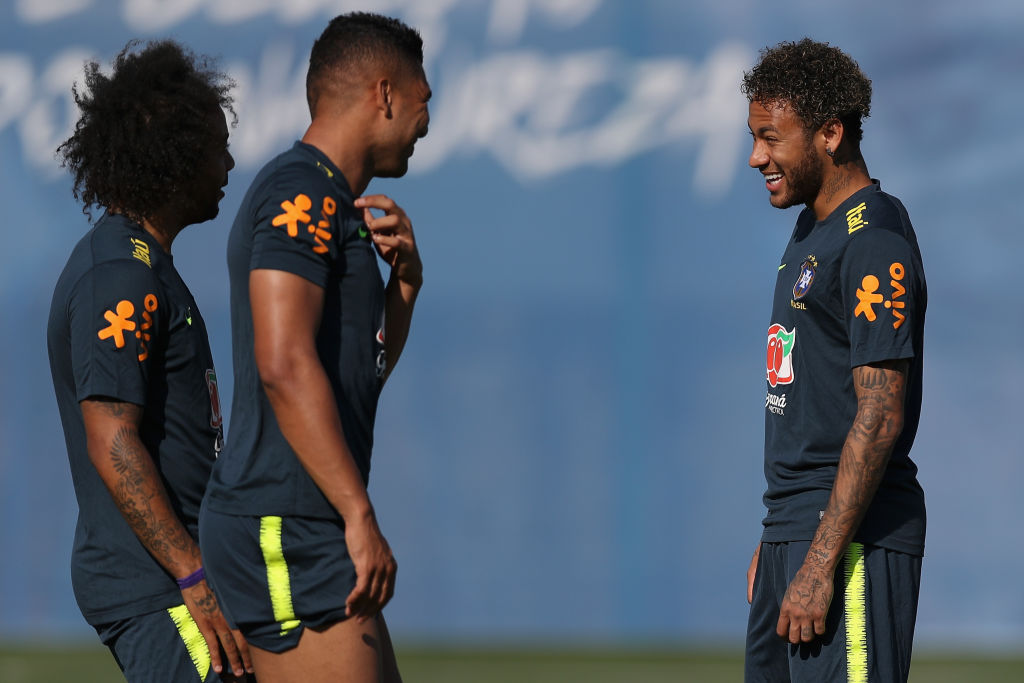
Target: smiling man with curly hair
834, 583
131, 362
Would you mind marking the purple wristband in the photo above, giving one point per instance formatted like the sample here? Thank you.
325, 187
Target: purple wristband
192, 579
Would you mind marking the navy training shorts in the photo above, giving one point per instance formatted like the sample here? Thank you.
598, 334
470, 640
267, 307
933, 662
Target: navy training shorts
165, 646
869, 628
275, 576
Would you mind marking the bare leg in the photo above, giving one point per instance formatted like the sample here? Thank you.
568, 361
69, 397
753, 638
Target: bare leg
345, 652
389, 664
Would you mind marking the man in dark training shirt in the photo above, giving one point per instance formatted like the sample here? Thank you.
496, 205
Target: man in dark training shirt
834, 582
132, 368
315, 334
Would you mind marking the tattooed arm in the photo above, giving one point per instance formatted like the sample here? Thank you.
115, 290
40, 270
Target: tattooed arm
122, 461
878, 423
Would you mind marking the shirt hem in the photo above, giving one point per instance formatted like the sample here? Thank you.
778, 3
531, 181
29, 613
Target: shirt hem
153, 603
909, 547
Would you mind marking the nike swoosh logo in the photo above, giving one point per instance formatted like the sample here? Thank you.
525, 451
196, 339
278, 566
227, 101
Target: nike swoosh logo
782, 266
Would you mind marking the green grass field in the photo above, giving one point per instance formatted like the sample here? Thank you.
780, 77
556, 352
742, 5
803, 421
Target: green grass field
94, 665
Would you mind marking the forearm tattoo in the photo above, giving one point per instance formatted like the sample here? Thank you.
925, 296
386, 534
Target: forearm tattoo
865, 456
137, 493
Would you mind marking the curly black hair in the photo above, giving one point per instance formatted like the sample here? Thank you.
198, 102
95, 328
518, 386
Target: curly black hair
143, 130
818, 81
359, 38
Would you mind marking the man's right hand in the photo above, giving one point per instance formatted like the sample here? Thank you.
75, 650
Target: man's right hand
205, 611
802, 615
375, 566
752, 573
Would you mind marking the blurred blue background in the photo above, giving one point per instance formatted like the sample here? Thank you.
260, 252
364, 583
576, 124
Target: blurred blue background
570, 450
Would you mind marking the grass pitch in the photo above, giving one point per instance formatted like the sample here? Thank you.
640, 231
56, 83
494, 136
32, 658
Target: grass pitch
442, 665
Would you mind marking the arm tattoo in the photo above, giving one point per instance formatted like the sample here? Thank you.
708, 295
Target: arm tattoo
865, 456
117, 408
136, 490
206, 603
872, 379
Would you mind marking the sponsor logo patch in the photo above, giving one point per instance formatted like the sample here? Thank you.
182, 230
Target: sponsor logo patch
122, 319
868, 297
382, 354
775, 404
140, 251
328, 172
216, 418
855, 218
296, 214
779, 359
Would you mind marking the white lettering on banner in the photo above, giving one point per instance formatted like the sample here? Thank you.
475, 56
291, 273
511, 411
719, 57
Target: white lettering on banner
158, 15
537, 113
51, 116
525, 108
42, 11
15, 87
508, 17
270, 103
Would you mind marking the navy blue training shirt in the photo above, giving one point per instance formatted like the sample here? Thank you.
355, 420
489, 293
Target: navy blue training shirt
298, 217
850, 291
124, 326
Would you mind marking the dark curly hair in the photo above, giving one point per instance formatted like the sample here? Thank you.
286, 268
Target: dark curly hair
359, 38
818, 81
143, 130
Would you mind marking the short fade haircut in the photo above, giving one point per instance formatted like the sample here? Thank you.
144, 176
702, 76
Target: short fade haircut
355, 39
144, 129
819, 82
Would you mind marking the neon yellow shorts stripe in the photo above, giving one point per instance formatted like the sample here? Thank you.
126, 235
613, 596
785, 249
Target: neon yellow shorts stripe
195, 644
277, 573
856, 616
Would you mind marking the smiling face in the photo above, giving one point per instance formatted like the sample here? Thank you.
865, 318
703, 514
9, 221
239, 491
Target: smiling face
409, 121
786, 155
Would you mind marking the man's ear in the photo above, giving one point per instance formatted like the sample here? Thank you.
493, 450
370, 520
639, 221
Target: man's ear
383, 93
832, 132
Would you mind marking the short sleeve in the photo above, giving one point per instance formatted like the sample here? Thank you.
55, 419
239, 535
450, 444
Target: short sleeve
297, 225
881, 296
117, 326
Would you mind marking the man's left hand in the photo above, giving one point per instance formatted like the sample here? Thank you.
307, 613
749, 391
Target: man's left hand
393, 236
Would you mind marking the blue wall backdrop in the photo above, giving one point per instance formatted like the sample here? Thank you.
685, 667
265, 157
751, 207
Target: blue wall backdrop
570, 449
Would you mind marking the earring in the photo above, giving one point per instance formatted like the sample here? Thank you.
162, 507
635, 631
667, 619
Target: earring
828, 151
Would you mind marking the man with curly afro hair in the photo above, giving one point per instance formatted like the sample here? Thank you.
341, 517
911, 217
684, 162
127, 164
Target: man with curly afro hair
834, 583
131, 363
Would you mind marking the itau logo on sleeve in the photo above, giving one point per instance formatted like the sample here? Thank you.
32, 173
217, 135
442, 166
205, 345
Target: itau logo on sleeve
780, 355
